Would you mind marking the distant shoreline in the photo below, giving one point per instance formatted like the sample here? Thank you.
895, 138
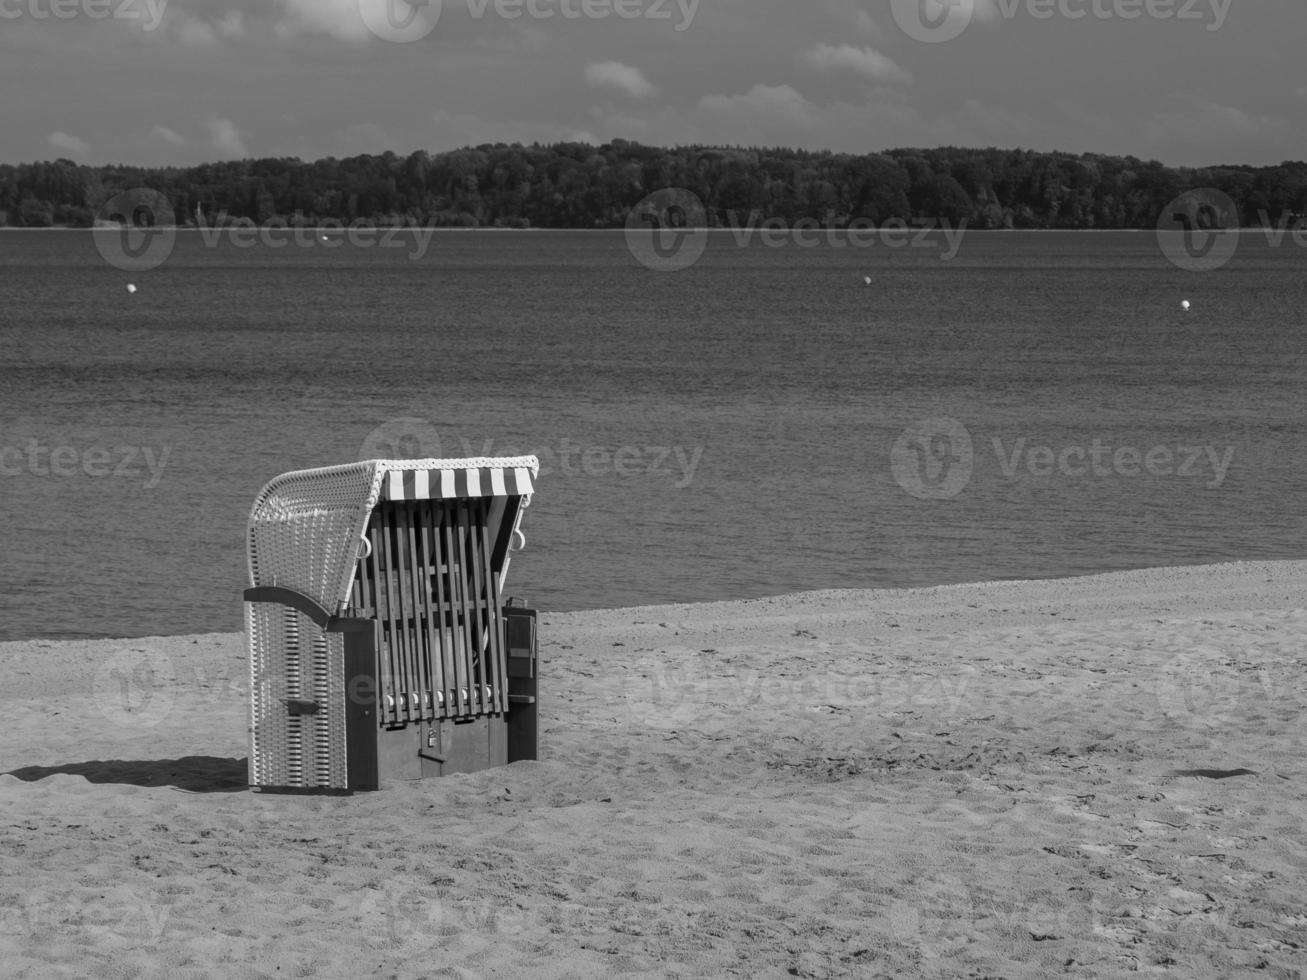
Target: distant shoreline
344, 229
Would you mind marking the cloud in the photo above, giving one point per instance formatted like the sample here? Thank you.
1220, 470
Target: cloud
67, 143
782, 101
167, 135
1211, 119
864, 61
337, 18
227, 138
625, 78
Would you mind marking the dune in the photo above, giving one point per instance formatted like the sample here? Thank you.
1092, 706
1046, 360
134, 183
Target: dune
1084, 777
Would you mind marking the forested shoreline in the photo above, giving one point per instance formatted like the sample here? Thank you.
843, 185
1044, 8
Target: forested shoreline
576, 185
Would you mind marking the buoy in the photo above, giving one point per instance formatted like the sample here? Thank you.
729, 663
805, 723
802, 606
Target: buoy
1184, 305
867, 280
131, 287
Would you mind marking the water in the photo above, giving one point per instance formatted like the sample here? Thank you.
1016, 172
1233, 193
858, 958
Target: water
722, 432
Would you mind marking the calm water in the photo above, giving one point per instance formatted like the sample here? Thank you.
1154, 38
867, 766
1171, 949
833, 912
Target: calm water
754, 401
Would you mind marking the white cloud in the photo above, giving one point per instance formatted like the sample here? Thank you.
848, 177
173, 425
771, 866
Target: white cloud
195, 32
624, 78
763, 100
67, 143
341, 19
864, 61
167, 135
227, 138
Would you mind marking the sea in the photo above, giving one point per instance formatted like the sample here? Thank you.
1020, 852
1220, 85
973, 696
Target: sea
779, 413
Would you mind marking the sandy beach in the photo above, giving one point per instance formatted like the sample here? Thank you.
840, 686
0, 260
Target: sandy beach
1089, 777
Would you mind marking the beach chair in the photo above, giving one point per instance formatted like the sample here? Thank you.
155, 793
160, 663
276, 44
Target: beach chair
380, 646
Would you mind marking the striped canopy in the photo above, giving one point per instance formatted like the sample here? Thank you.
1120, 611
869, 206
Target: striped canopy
305, 527
463, 482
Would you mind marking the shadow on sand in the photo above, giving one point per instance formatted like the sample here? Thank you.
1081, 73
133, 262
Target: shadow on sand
194, 773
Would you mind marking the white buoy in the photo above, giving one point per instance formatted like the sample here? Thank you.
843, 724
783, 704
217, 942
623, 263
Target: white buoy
1184, 305
131, 287
867, 280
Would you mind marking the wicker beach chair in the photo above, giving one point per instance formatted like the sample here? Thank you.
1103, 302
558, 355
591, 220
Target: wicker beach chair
380, 645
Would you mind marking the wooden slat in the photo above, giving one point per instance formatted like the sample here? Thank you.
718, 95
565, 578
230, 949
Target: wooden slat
387, 570
403, 534
440, 561
494, 623
476, 705
491, 648
454, 574
381, 600
477, 628
421, 608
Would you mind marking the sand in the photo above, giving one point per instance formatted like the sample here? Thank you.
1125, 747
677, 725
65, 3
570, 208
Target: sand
1086, 777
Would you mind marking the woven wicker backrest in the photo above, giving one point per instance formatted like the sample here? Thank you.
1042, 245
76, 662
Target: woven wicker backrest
306, 527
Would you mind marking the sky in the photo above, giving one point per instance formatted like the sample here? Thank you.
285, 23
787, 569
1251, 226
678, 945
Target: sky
181, 82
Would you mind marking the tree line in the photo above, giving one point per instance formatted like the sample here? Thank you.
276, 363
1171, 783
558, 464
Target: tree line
576, 185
